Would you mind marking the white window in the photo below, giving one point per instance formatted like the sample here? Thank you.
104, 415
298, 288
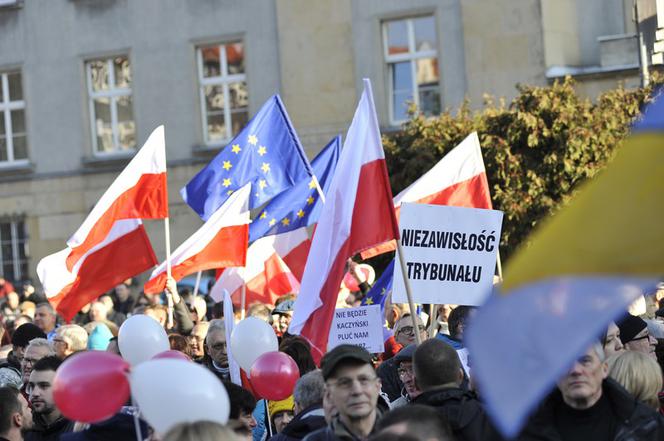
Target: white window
13, 250
410, 49
13, 137
111, 109
223, 91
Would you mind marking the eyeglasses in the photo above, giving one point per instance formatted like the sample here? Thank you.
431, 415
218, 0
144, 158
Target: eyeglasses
403, 372
647, 336
409, 329
347, 383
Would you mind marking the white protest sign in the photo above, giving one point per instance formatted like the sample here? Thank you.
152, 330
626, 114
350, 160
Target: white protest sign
450, 253
361, 326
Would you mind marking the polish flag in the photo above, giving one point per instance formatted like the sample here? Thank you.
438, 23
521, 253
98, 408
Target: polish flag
139, 192
221, 242
459, 179
123, 253
358, 214
266, 276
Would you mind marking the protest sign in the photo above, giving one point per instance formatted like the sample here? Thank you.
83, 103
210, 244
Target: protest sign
450, 253
358, 326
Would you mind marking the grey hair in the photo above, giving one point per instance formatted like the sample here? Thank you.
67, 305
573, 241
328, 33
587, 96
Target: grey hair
75, 336
46, 305
43, 343
309, 389
599, 350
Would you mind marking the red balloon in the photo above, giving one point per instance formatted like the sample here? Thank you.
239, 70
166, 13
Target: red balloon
273, 375
91, 386
172, 354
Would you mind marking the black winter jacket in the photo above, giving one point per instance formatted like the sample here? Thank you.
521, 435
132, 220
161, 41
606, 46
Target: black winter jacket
305, 422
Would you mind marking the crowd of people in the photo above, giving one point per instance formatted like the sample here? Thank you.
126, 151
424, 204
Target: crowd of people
408, 392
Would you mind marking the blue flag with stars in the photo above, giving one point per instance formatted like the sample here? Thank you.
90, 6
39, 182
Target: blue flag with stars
267, 153
381, 289
299, 206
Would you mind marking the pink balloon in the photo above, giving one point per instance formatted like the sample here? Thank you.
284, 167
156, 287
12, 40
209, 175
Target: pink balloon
172, 354
91, 386
273, 375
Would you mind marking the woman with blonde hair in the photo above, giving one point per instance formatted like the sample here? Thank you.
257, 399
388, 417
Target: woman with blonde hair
639, 374
200, 431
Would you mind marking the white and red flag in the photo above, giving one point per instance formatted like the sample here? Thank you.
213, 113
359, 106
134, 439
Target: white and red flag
459, 179
139, 192
266, 276
123, 253
358, 214
221, 242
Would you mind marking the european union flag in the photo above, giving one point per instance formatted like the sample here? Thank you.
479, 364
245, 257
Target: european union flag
267, 153
381, 289
299, 206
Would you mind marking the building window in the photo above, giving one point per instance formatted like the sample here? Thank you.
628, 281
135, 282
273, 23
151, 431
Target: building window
13, 250
111, 109
223, 91
412, 66
13, 137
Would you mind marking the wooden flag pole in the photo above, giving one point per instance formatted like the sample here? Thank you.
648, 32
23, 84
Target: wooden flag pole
167, 232
499, 266
243, 296
433, 319
411, 304
198, 283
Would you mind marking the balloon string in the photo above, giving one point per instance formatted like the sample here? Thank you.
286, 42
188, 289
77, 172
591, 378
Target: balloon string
269, 419
137, 424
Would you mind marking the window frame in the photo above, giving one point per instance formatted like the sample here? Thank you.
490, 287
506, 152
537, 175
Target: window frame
112, 93
17, 275
223, 80
411, 56
6, 107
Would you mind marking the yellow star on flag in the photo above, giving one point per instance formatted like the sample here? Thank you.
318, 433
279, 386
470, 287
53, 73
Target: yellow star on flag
262, 183
227, 182
312, 184
369, 301
229, 192
272, 222
285, 222
310, 200
236, 149
263, 215
252, 140
227, 165
262, 150
382, 291
265, 167
300, 214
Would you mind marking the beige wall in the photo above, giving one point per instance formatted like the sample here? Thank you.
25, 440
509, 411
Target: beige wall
503, 46
316, 63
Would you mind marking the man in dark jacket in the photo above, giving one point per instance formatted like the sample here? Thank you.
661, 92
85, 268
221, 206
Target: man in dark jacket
588, 405
438, 374
49, 423
352, 387
309, 414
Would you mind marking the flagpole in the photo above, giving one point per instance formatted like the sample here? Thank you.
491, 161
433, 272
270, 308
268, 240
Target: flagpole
167, 232
243, 295
198, 283
499, 266
433, 319
411, 304
318, 189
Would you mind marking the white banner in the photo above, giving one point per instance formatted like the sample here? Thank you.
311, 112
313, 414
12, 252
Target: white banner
450, 253
362, 326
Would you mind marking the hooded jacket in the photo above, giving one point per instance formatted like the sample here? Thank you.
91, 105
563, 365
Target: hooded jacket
463, 411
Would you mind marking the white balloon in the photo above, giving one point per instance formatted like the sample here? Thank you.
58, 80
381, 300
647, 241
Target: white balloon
140, 338
251, 338
170, 392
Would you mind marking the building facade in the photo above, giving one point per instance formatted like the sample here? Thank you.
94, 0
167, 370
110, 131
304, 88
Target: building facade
84, 82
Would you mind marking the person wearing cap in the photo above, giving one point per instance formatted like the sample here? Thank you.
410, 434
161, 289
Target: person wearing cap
283, 313
281, 413
404, 334
404, 363
635, 336
352, 387
23, 335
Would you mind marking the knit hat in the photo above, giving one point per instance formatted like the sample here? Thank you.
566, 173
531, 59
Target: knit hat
10, 377
25, 333
99, 338
286, 405
630, 326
